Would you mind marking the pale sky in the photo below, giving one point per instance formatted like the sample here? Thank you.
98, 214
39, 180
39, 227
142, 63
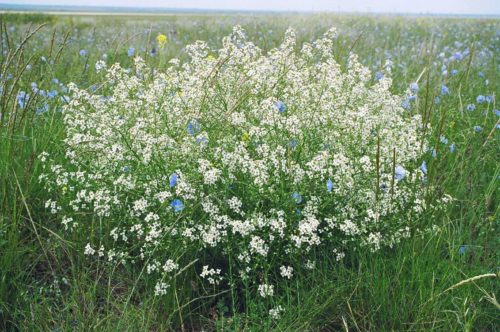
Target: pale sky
488, 7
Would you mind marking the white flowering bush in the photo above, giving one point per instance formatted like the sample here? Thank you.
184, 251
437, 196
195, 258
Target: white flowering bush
255, 159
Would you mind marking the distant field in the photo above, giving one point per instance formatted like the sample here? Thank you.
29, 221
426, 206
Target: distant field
264, 182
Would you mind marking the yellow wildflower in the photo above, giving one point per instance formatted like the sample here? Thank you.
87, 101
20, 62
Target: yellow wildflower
162, 40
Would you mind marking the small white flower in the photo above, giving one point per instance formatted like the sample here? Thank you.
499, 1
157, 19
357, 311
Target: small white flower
100, 65
212, 275
275, 313
266, 290
89, 251
286, 272
161, 288
170, 266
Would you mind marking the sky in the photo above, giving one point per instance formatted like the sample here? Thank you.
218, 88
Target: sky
476, 7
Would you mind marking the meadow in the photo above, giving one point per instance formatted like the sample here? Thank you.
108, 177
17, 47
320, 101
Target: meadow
247, 185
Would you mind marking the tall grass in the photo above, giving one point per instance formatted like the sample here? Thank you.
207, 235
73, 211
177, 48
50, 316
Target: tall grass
47, 284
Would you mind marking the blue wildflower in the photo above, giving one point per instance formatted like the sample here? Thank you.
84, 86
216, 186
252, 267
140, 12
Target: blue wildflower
126, 169
497, 112
480, 99
83, 52
452, 147
454, 72
445, 90
433, 153
43, 109
172, 180
329, 185
296, 198
131, 52
463, 249
280, 106
471, 107
478, 129
22, 98
201, 140
193, 127
414, 87
457, 56
423, 167
293, 143
406, 104
489, 99
399, 173
177, 205
379, 76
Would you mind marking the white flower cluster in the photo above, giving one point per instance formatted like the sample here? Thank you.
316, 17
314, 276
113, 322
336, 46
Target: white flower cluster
266, 290
286, 272
264, 156
275, 313
212, 275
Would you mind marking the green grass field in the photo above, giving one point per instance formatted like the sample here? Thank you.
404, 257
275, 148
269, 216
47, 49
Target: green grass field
445, 278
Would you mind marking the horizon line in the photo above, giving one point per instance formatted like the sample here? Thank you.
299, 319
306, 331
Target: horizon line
124, 9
